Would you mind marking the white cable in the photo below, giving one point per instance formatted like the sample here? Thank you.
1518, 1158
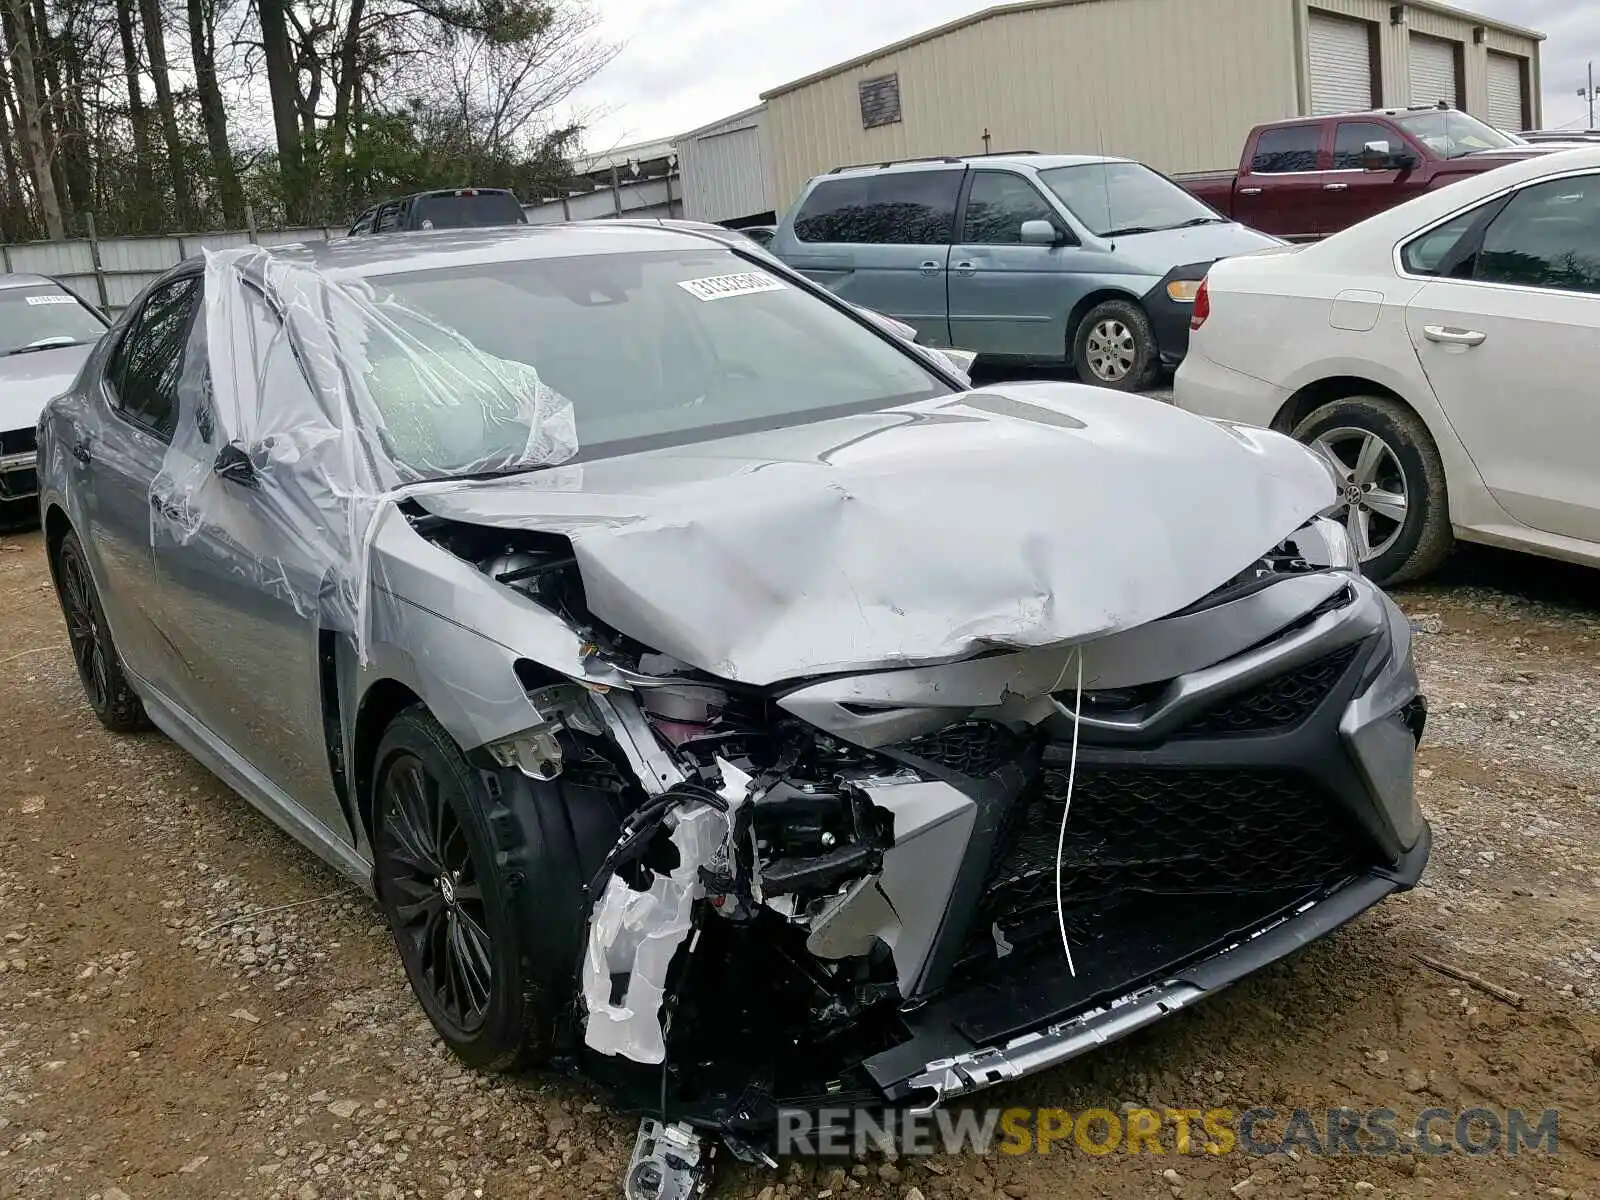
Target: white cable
1061, 840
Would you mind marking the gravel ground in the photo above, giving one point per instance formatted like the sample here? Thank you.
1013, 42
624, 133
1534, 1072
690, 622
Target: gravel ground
191, 1006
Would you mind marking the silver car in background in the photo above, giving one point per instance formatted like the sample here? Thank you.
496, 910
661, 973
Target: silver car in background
45, 334
716, 692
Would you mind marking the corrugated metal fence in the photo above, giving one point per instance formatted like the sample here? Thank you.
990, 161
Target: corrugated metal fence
112, 271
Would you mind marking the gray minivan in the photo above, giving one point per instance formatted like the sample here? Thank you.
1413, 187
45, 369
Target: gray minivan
1025, 257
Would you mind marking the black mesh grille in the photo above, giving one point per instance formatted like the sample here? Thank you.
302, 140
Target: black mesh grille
1280, 703
1171, 832
972, 748
18, 441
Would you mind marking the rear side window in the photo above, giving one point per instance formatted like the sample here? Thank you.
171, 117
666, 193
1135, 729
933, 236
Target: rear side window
1291, 148
907, 208
1548, 236
1352, 137
1431, 253
470, 211
388, 219
145, 368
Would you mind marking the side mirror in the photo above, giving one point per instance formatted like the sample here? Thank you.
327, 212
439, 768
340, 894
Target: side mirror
234, 465
1039, 233
1375, 156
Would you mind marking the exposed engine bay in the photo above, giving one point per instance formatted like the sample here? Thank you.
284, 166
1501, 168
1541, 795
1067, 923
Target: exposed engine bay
855, 889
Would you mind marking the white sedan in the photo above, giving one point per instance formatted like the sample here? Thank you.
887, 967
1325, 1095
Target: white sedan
1444, 356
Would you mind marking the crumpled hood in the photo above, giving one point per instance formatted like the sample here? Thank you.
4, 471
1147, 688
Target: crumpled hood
27, 381
1013, 516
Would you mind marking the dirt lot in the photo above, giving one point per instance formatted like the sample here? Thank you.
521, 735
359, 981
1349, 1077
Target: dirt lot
147, 1049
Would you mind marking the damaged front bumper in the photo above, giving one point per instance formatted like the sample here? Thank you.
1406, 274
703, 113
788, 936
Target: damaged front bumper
1243, 786
1221, 819
1060, 1041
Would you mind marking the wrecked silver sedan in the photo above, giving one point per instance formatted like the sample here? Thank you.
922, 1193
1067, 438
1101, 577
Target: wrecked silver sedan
719, 695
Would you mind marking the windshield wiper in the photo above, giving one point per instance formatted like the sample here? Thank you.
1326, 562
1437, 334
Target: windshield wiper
1193, 221
1128, 231
34, 349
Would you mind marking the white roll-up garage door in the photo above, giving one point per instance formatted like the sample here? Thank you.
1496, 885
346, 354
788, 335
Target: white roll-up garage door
1505, 92
1433, 71
1341, 64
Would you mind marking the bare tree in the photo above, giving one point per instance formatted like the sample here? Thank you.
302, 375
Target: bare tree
142, 208
27, 89
156, 46
203, 51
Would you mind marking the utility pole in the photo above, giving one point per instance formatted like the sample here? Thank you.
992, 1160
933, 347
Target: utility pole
1589, 94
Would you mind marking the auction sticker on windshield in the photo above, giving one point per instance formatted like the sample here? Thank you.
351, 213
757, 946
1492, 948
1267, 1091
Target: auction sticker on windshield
52, 299
719, 287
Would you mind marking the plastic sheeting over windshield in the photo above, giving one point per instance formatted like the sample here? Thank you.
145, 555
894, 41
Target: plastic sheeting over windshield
307, 402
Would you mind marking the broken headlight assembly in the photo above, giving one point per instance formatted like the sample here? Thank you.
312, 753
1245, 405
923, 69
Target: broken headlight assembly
1325, 545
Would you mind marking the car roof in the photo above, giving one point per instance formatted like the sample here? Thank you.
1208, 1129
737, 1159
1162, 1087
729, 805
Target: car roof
26, 280
437, 249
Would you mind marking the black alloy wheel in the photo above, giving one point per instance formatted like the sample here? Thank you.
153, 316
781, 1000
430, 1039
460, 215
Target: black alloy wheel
116, 705
433, 884
454, 848
83, 633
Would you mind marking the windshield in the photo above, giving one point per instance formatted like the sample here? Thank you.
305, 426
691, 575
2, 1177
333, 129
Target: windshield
1117, 198
648, 349
453, 211
1450, 134
42, 317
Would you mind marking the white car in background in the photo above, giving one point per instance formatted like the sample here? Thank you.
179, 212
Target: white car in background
1444, 356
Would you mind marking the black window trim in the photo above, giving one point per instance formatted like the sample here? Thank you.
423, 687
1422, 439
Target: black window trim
1472, 240
113, 398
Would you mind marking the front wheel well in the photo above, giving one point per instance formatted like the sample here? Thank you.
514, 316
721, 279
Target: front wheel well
1086, 305
383, 701
1314, 395
56, 527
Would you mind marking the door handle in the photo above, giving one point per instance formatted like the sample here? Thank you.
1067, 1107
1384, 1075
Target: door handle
1335, 187
931, 267
966, 268
80, 451
1453, 337
1250, 191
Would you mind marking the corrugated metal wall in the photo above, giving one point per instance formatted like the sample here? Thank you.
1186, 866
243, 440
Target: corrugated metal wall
1453, 26
128, 264
1173, 82
632, 198
725, 168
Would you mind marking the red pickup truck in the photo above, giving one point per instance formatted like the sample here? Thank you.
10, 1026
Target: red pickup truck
1308, 177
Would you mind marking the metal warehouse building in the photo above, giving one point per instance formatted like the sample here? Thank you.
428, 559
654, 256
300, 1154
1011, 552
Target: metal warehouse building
1177, 83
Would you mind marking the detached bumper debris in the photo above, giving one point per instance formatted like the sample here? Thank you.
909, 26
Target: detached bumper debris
670, 1162
635, 933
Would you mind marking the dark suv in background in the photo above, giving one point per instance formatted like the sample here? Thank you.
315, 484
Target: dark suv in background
451, 208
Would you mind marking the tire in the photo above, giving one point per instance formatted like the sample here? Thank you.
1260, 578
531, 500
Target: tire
1114, 347
1408, 464
112, 698
451, 860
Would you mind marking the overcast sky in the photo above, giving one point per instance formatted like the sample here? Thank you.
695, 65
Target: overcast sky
688, 62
